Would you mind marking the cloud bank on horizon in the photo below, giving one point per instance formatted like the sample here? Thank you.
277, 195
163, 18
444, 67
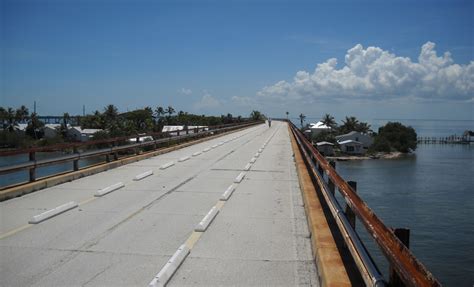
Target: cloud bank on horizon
375, 74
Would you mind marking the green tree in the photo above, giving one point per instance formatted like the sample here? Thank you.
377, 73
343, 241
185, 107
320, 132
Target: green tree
139, 120
256, 116
353, 124
363, 127
159, 112
329, 121
395, 136
348, 125
21, 114
34, 128
10, 118
94, 121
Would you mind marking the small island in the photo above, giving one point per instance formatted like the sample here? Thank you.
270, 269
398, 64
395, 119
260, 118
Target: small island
355, 140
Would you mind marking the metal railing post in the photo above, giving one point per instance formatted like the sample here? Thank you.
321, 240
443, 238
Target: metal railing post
32, 157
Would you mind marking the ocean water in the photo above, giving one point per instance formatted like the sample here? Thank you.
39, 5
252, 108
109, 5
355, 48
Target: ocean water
23, 176
431, 192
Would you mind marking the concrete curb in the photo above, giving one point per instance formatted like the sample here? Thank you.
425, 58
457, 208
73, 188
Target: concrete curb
53, 212
109, 189
239, 178
185, 158
170, 267
227, 193
166, 165
204, 224
143, 175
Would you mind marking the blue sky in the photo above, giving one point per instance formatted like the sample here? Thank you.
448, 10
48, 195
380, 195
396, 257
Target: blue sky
216, 57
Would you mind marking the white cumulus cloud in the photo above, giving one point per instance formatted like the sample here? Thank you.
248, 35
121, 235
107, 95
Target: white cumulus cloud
375, 74
207, 102
185, 91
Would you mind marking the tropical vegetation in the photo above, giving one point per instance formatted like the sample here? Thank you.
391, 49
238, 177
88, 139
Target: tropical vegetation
394, 136
109, 120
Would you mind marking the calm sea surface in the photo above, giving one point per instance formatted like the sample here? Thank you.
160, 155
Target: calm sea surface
430, 192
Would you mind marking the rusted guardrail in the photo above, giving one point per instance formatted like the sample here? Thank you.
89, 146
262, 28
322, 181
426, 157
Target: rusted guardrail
113, 150
403, 263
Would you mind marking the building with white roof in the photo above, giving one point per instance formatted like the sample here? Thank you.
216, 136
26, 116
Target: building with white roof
365, 139
316, 128
325, 148
79, 134
52, 130
173, 130
351, 147
21, 128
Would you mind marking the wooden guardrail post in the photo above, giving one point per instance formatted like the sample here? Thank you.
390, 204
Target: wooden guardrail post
404, 235
32, 157
349, 213
75, 163
115, 153
137, 149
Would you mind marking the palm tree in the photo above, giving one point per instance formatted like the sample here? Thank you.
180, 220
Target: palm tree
349, 124
10, 117
34, 127
364, 128
329, 121
302, 117
3, 116
21, 114
66, 118
110, 113
159, 111
170, 110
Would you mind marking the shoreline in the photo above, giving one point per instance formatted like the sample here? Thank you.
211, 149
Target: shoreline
379, 155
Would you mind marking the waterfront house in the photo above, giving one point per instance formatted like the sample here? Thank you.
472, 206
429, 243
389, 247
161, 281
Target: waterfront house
468, 137
79, 134
316, 128
351, 147
20, 128
52, 130
365, 139
173, 130
325, 148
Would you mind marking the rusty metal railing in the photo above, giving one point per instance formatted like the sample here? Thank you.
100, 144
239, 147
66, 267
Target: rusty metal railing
405, 266
111, 151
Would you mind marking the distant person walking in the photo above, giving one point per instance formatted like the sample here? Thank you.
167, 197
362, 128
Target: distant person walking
269, 122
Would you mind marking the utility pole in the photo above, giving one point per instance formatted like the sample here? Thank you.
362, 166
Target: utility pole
34, 107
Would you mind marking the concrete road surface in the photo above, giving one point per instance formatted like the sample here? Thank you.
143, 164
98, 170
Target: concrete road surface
125, 238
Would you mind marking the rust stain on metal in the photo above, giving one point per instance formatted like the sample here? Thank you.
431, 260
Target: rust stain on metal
411, 271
